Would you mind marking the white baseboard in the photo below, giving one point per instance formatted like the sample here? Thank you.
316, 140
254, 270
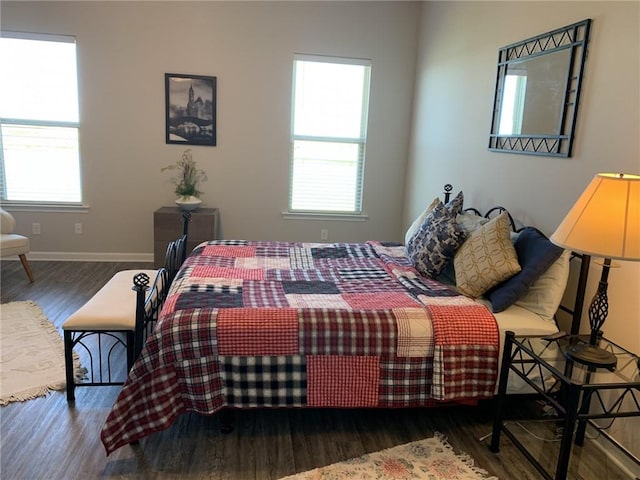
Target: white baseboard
89, 257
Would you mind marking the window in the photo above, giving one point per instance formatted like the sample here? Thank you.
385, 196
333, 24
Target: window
328, 134
39, 121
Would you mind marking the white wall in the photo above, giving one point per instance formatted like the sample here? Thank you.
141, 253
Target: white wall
456, 73
124, 50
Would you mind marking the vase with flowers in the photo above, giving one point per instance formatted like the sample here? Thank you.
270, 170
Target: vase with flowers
186, 181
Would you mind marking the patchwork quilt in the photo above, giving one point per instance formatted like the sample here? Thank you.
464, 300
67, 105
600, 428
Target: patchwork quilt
250, 324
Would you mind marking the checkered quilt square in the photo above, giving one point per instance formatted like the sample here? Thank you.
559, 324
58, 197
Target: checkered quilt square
310, 287
229, 251
364, 273
264, 263
194, 284
188, 335
459, 301
415, 333
203, 384
335, 302
372, 301
265, 381
424, 286
225, 262
169, 305
263, 294
273, 249
258, 331
330, 251
405, 382
344, 332
301, 258
464, 371
149, 409
465, 361
316, 275
221, 272
464, 325
336, 381
346, 263
369, 286
209, 299
229, 242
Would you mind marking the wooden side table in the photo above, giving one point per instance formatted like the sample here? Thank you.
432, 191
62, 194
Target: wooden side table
167, 226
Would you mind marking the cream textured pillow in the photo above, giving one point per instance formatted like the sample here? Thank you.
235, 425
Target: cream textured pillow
486, 258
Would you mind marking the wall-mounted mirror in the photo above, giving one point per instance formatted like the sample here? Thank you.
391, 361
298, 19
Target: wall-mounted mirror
537, 91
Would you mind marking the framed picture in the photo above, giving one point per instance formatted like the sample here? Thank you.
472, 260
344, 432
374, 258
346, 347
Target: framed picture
190, 109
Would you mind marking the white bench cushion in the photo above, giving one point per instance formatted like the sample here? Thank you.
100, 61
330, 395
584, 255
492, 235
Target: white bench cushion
113, 307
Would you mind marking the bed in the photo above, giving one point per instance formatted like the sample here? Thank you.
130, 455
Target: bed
251, 324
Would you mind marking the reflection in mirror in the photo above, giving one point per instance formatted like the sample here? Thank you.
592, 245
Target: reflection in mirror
537, 92
534, 86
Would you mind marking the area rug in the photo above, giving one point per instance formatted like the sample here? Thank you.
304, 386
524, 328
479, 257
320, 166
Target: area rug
31, 353
429, 459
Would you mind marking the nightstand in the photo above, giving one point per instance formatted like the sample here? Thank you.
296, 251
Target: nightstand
167, 226
577, 393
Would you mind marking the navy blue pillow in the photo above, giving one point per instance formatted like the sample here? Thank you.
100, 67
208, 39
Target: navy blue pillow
535, 255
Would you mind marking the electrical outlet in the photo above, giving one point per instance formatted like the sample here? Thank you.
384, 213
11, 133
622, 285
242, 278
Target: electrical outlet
324, 234
78, 228
35, 228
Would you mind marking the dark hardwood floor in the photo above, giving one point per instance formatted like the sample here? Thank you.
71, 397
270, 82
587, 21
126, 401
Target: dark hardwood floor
46, 438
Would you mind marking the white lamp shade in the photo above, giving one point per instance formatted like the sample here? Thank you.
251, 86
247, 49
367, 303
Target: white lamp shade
605, 221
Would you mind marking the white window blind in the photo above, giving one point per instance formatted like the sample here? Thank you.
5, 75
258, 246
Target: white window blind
328, 134
39, 119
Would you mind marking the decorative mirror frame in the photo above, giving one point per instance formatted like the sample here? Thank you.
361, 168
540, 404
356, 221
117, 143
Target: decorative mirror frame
559, 143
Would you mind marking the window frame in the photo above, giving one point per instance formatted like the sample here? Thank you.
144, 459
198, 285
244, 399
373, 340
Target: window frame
37, 205
360, 141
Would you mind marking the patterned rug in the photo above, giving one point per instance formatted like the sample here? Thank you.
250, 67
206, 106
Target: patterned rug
31, 353
429, 459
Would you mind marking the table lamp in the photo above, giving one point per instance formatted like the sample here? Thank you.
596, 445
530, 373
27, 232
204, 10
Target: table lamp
604, 222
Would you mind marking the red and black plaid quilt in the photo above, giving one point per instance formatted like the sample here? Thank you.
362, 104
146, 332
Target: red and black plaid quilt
275, 324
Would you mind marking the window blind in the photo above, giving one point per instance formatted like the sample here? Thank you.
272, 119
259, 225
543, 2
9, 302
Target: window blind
330, 101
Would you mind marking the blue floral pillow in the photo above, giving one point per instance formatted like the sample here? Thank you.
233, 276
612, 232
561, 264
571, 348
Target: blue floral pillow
435, 242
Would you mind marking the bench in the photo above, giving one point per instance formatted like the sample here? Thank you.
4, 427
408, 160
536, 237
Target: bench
118, 317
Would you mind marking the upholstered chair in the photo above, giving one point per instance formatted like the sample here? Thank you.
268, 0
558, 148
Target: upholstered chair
12, 243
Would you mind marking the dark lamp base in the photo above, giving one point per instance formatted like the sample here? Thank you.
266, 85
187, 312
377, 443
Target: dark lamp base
591, 356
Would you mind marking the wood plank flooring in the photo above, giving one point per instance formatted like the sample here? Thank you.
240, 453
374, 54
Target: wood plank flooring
47, 439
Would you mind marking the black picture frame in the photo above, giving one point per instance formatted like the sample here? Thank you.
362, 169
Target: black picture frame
190, 102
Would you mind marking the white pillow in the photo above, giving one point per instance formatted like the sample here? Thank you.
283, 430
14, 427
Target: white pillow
470, 222
545, 295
